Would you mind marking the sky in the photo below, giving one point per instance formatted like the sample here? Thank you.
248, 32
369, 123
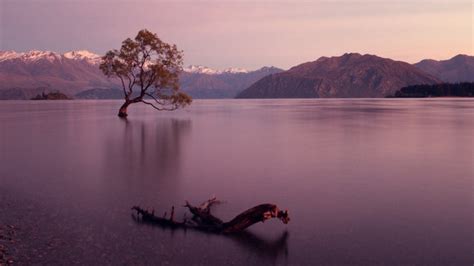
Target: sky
247, 34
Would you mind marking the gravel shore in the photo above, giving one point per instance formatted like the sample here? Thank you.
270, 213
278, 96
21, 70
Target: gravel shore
7, 243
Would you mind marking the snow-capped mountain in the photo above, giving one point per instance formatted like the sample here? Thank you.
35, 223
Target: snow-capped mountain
8, 55
69, 73
35, 55
221, 84
200, 70
235, 70
206, 70
83, 55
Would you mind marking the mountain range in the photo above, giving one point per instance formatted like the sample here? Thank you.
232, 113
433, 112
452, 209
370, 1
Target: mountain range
25, 74
349, 75
221, 84
457, 69
76, 73
199, 82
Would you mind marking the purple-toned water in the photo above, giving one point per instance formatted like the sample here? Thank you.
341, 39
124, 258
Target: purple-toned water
366, 181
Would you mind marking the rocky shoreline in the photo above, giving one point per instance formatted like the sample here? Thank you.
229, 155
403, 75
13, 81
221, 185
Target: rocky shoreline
7, 244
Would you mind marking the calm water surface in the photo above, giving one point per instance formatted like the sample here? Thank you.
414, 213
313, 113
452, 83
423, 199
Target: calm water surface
379, 181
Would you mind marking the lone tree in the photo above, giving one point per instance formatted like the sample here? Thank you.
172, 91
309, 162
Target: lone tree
148, 69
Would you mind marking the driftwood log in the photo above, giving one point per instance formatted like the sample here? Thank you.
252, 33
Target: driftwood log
202, 218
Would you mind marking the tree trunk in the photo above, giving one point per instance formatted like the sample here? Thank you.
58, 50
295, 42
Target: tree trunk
123, 109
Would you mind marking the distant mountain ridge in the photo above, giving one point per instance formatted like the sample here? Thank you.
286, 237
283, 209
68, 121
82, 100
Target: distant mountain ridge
77, 74
225, 84
35, 55
457, 69
349, 75
206, 70
69, 72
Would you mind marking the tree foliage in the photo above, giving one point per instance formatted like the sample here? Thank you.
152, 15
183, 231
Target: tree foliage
464, 89
148, 69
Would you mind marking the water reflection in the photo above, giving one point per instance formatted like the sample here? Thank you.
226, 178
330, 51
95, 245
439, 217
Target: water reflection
368, 182
146, 152
268, 250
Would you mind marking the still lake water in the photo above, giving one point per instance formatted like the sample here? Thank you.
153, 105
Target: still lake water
366, 181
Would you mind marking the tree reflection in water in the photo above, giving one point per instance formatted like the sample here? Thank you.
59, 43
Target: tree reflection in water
147, 153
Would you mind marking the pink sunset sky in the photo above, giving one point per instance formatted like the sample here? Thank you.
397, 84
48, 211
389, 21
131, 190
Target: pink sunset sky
248, 34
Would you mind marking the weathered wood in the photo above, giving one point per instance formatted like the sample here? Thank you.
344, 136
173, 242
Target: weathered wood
163, 221
259, 213
203, 219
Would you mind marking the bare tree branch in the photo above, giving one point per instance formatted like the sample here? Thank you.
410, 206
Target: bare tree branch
123, 86
154, 98
174, 107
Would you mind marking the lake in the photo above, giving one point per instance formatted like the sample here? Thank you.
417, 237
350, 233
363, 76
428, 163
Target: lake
366, 181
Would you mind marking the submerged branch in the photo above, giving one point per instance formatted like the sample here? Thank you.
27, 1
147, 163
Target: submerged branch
203, 219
